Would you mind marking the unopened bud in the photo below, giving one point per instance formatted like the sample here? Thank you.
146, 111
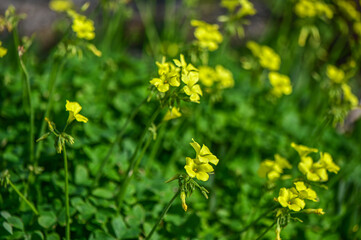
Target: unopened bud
43, 137
318, 211
183, 199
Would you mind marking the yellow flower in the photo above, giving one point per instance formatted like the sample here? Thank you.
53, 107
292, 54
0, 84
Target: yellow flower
305, 9
60, 5
303, 192
334, 74
288, 199
3, 51
247, 9
83, 27
194, 91
281, 84
203, 155
303, 150
350, 9
169, 75
225, 77
172, 114
318, 211
267, 57
200, 171
349, 96
327, 162
207, 76
74, 108
207, 35
273, 169
313, 171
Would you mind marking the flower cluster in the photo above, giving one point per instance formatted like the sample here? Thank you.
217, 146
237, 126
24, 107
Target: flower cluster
172, 74
61, 5
281, 84
293, 198
269, 59
168, 76
82, 26
207, 35
238, 10
242, 7
315, 171
338, 77
311, 8
172, 114
199, 167
272, 169
219, 76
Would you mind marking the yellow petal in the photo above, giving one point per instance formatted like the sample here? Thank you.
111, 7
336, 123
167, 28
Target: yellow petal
202, 176
73, 107
81, 118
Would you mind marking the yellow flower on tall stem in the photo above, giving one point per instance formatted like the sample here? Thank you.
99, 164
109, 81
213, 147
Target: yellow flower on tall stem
74, 108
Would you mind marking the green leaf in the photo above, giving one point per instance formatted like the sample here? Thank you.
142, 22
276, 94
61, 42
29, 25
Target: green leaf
8, 227
37, 235
47, 219
5, 214
118, 226
103, 193
82, 175
52, 236
16, 222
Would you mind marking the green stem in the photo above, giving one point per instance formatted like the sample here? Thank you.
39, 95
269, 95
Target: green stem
165, 210
145, 13
23, 197
256, 220
52, 84
116, 141
66, 180
134, 162
28, 89
266, 231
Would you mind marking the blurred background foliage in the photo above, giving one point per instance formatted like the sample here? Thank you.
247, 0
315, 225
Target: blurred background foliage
242, 129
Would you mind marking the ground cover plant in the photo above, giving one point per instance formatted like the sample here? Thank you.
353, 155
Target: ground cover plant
229, 119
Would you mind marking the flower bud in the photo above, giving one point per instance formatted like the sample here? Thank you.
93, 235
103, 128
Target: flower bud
183, 199
318, 211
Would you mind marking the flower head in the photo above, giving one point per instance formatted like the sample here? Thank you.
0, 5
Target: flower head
327, 162
203, 154
60, 5
335, 74
273, 169
303, 150
281, 84
172, 114
74, 108
200, 171
289, 199
314, 171
303, 192
267, 57
83, 27
207, 35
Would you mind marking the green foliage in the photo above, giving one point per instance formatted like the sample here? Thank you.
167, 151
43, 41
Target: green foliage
242, 126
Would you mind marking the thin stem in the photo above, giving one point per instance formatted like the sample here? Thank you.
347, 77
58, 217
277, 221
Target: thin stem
28, 89
67, 219
116, 141
145, 13
165, 210
266, 231
52, 85
134, 162
256, 220
23, 197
